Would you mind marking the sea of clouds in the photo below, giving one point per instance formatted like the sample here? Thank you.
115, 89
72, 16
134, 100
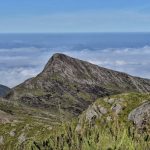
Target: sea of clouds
19, 64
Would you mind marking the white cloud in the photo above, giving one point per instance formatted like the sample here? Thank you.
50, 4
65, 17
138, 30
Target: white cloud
19, 64
134, 61
120, 62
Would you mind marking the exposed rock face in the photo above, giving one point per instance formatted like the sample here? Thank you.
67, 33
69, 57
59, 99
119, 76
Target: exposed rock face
95, 112
141, 115
3, 90
70, 85
123, 108
117, 108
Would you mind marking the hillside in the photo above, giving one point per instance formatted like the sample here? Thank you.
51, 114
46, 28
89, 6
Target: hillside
3, 90
67, 86
102, 126
105, 125
73, 104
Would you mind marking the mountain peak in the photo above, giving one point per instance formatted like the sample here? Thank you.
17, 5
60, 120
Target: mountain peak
84, 72
59, 56
55, 60
75, 84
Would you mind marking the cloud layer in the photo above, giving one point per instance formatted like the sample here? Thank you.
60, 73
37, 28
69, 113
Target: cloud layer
19, 64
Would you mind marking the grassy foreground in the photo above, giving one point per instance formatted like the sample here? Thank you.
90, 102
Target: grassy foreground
41, 133
94, 138
119, 134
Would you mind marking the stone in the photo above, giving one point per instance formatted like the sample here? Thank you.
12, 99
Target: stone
21, 138
111, 100
1, 140
140, 115
91, 114
12, 133
109, 118
102, 110
117, 108
78, 128
106, 99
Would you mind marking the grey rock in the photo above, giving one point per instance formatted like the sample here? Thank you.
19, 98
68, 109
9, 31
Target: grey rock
117, 108
109, 118
111, 100
91, 114
94, 112
78, 128
106, 99
21, 138
12, 133
140, 115
102, 110
1, 140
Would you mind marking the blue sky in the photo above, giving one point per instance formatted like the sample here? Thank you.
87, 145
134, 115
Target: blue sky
74, 16
17, 56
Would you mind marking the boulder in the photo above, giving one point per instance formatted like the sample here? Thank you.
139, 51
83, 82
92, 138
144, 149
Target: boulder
140, 116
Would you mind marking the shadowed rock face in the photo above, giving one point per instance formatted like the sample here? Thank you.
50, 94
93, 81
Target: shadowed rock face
70, 85
3, 90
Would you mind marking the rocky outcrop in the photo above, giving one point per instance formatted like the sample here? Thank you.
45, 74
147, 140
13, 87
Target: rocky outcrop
95, 112
140, 116
104, 108
119, 108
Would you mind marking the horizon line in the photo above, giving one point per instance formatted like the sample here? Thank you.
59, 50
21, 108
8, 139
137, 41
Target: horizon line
73, 32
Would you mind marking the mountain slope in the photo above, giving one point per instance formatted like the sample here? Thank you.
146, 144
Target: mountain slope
67, 86
106, 124
3, 90
32, 113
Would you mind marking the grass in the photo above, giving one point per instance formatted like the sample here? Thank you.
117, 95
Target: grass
43, 132
119, 134
94, 138
85, 96
27, 128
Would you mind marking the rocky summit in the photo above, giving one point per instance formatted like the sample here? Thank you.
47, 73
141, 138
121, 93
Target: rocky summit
67, 86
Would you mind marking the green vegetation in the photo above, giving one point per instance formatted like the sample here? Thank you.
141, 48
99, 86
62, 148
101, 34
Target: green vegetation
118, 134
19, 134
85, 96
37, 129
110, 137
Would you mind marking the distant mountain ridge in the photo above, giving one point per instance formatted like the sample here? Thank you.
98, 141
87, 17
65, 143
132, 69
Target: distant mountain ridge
67, 86
3, 90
